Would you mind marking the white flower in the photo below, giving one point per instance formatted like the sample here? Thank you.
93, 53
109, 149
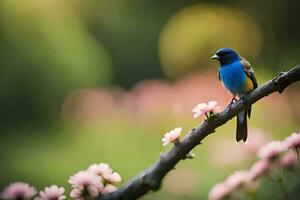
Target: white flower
271, 150
109, 188
292, 141
52, 193
171, 136
99, 169
18, 190
218, 192
259, 169
85, 183
112, 177
237, 179
204, 108
289, 160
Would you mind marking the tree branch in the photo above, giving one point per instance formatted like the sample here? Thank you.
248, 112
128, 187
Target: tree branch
151, 178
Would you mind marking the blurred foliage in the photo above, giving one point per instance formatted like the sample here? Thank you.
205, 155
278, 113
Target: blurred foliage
50, 47
57, 56
46, 52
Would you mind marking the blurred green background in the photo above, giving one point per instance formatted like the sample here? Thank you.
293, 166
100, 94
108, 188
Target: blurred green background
85, 81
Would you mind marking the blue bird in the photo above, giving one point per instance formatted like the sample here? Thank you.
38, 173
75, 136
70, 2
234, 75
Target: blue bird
237, 76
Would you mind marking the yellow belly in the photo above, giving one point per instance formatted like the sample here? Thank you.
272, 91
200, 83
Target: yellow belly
249, 85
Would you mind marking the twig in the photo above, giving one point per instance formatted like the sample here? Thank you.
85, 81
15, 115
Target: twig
151, 178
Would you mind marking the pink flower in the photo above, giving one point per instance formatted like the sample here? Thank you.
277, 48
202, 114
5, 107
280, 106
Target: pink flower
85, 184
109, 188
289, 160
257, 138
171, 136
77, 193
112, 177
237, 179
292, 141
233, 182
18, 190
204, 108
218, 192
99, 169
52, 193
259, 169
271, 150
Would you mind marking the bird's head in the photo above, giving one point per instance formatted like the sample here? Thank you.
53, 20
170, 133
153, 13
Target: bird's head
226, 56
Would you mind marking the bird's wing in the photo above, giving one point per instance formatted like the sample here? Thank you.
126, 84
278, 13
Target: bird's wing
249, 71
219, 75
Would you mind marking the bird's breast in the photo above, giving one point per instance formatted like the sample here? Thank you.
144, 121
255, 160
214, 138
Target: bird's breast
233, 78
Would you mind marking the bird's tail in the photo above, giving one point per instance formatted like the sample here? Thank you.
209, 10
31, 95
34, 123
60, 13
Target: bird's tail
241, 128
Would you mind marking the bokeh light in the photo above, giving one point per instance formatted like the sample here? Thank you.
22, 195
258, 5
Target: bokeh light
192, 35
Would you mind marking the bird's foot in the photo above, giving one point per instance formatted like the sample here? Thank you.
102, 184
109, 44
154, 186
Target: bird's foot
244, 98
233, 100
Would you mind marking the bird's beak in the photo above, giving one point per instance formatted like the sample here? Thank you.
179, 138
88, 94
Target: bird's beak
216, 57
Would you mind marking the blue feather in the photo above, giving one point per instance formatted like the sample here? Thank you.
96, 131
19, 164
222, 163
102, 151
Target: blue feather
233, 77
